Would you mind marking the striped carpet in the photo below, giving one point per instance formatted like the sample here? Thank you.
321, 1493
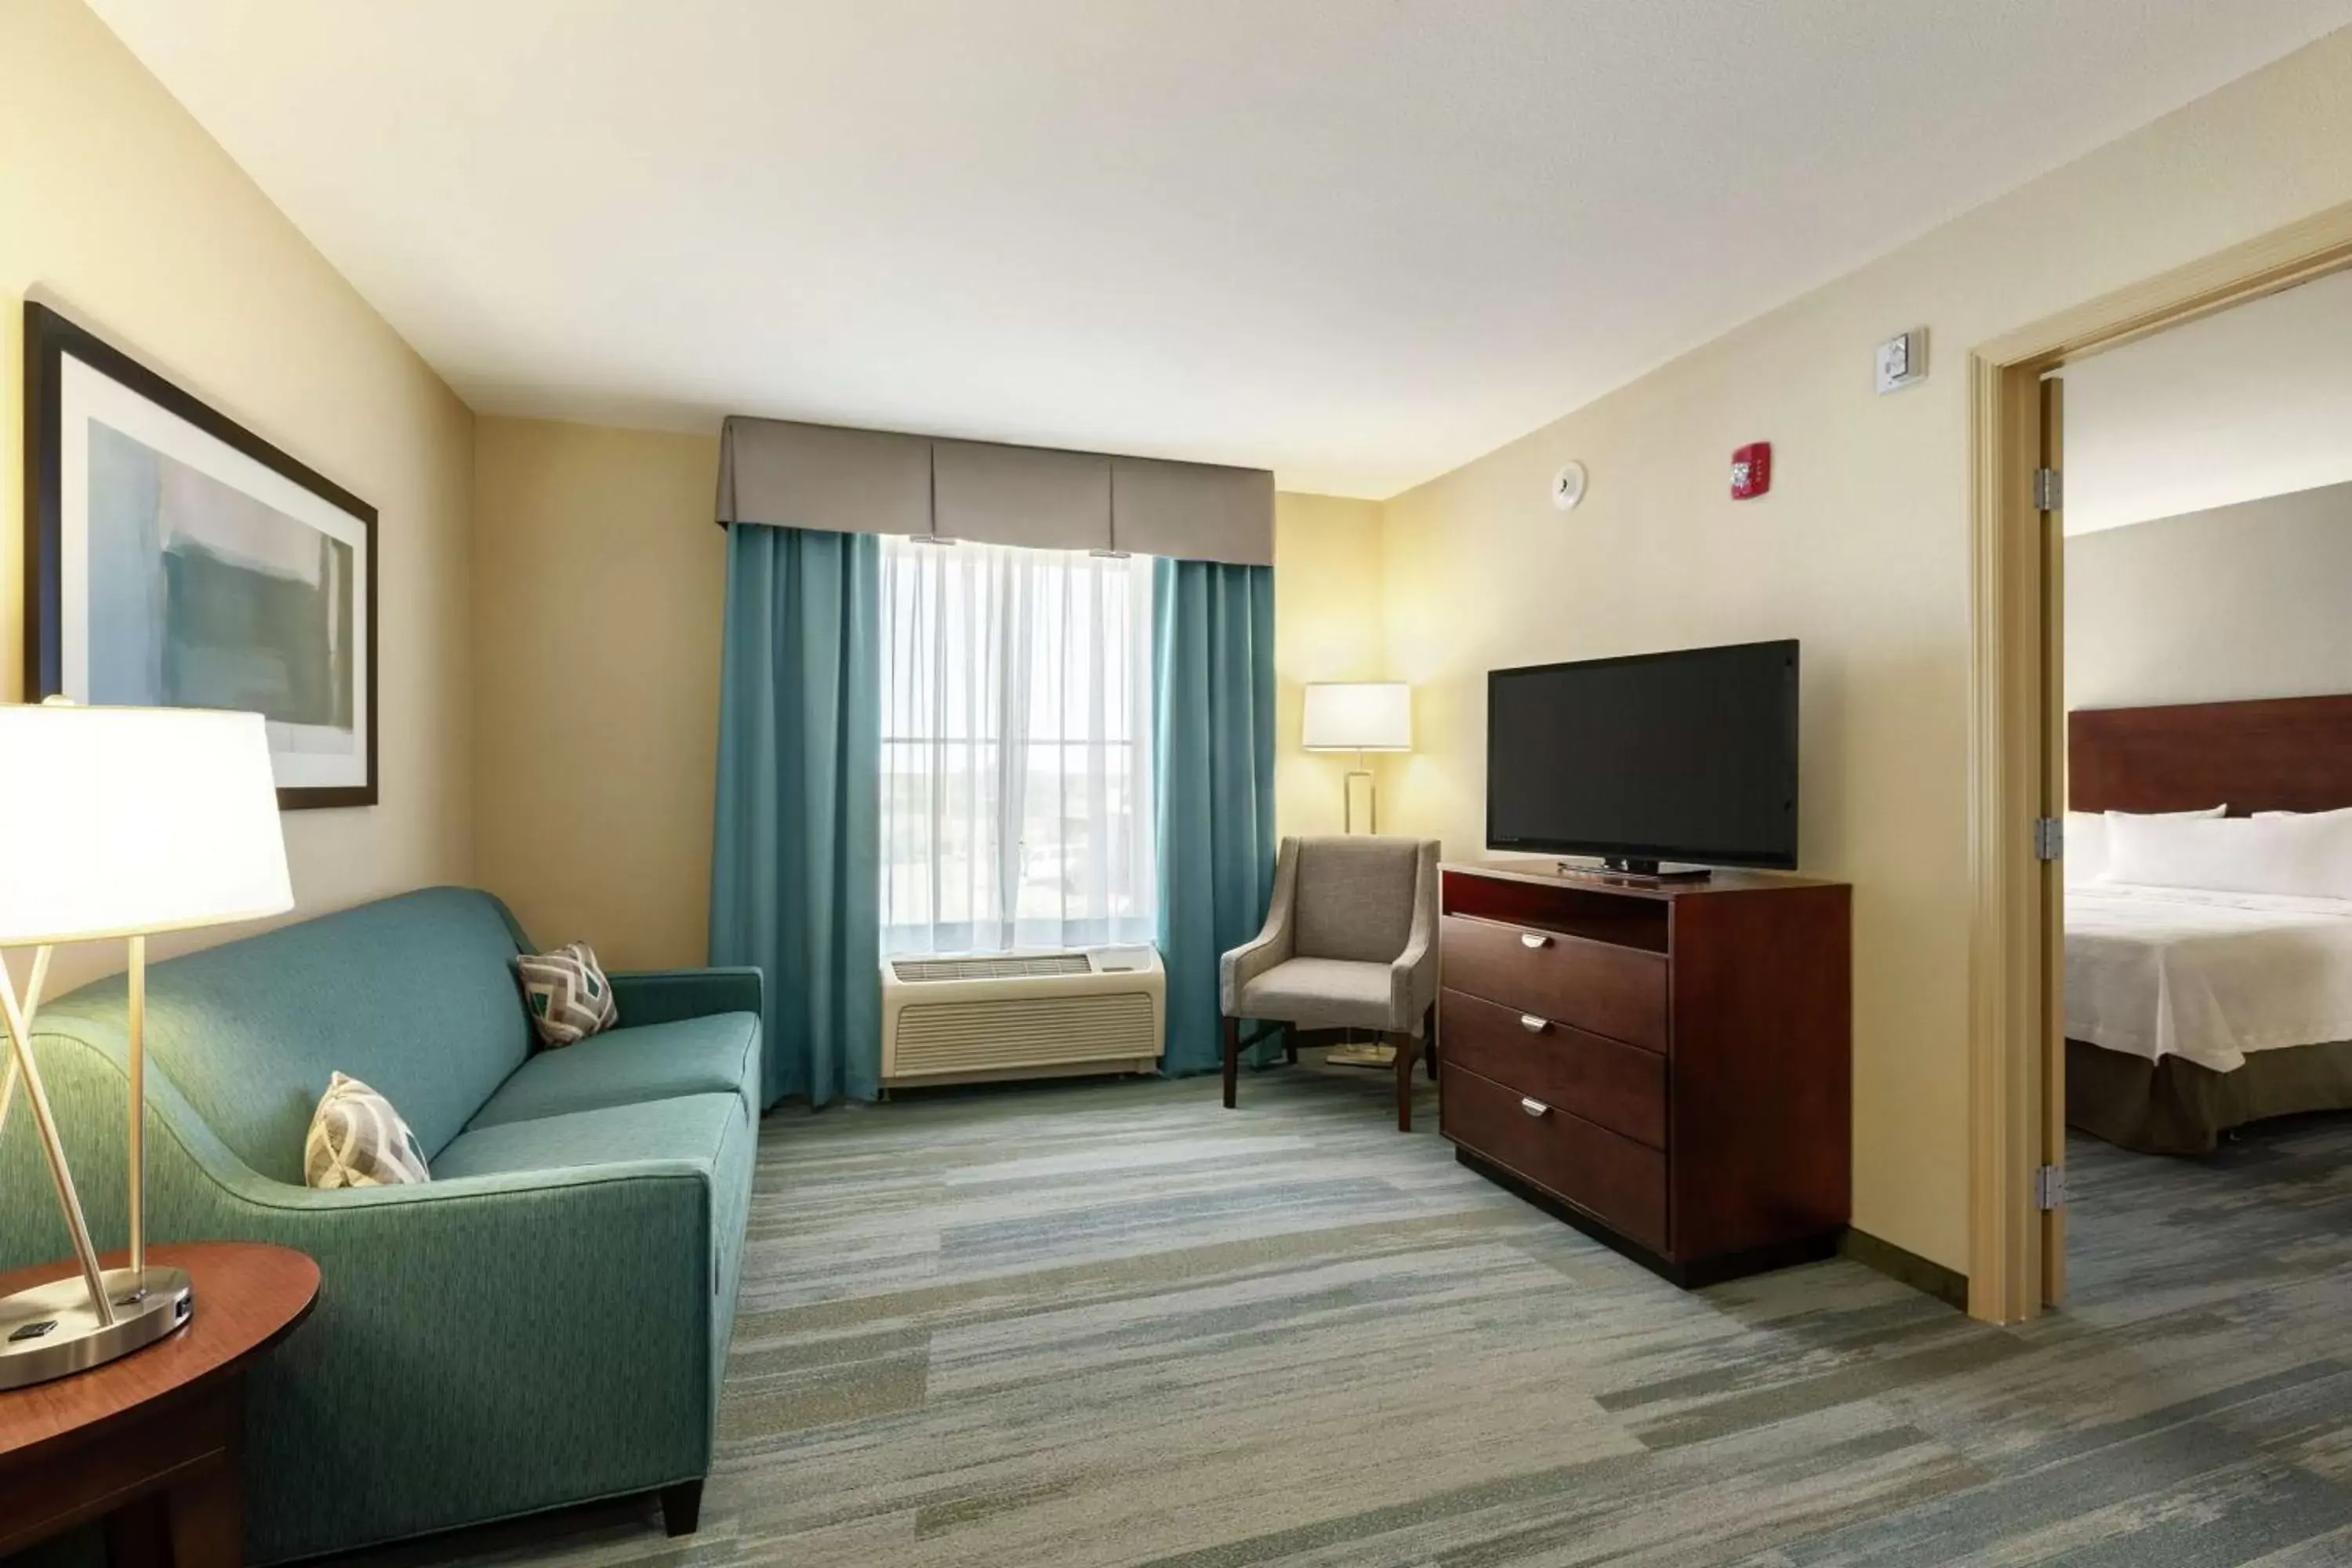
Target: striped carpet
1115, 1323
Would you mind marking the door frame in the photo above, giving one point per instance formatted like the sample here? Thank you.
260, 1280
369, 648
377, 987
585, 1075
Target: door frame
2016, 701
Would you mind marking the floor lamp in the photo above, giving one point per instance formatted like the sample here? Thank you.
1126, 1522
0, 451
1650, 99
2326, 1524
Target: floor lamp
1359, 716
117, 823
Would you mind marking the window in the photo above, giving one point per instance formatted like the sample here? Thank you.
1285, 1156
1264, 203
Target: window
1016, 748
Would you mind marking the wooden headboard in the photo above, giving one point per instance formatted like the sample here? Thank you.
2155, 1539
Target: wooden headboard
2280, 754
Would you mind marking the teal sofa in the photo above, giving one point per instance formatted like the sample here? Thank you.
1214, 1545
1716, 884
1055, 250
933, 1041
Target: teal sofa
545, 1322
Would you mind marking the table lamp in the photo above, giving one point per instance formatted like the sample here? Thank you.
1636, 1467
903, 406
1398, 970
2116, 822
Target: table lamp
117, 822
1358, 716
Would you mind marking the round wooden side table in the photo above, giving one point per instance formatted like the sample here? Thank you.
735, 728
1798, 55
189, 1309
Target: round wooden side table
153, 1442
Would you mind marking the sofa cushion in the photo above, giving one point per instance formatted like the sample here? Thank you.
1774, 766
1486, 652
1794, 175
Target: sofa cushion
415, 995
625, 1065
695, 1127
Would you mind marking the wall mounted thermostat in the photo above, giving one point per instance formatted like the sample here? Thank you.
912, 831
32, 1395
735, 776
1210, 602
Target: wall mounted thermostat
1902, 360
1751, 470
1567, 486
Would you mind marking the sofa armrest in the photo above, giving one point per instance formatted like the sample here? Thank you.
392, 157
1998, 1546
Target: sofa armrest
666, 995
549, 1336
490, 1311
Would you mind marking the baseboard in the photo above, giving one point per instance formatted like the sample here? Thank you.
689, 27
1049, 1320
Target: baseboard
1949, 1286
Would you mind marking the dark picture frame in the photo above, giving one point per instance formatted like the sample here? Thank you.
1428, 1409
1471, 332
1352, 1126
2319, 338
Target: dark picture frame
50, 339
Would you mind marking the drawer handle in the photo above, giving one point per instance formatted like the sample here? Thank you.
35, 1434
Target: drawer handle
1534, 939
1533, 1107
1532, 1025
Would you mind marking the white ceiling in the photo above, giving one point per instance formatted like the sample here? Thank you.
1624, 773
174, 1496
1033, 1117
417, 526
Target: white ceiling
1357, 241
2254, 402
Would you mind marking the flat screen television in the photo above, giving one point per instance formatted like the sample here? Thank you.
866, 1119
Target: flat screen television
1688, 756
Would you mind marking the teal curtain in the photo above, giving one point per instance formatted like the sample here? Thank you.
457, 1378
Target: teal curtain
1212, 700
796, 832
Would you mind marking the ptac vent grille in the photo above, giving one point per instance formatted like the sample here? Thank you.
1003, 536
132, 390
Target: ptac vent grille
1012, 966
1036, 1031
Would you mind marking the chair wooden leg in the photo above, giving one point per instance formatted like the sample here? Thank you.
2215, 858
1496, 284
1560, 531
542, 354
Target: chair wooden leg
1404, 1053
1233, 1058
1290, 1043
1429, 1041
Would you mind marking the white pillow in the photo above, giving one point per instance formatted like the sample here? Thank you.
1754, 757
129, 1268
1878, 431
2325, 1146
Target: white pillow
2309, 857
2086, 860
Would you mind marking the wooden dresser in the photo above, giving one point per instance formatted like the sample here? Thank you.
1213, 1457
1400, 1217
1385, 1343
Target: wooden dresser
1667, 1067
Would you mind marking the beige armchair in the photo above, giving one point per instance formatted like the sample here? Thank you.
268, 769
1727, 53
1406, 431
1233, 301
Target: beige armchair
1351, 942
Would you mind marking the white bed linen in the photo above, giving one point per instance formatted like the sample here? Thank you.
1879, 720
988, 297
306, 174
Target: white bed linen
2210, 976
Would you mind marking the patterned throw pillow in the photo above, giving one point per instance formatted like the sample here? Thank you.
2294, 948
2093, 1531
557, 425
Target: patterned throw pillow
358, 1139
567, 994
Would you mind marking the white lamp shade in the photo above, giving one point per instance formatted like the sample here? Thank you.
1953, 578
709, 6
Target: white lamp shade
132, 821
1358, 716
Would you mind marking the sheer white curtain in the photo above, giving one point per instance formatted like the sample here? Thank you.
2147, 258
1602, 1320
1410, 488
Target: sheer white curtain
1016, 748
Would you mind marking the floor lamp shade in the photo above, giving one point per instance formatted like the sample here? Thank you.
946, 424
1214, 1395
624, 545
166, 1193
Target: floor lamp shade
1358, 716
117, 823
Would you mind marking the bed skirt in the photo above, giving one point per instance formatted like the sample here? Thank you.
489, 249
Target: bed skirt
2175, 1107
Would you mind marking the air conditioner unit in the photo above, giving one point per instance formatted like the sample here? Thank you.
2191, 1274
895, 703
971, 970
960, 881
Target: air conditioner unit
989, 1016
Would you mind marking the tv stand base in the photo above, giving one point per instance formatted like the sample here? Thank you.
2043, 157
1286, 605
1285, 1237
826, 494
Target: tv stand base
1618, 869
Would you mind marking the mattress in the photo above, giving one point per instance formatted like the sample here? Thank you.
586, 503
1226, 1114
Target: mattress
2209, 977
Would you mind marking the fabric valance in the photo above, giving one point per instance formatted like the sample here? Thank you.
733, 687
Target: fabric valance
1027, 496
789, 475
1193, 511
785, 474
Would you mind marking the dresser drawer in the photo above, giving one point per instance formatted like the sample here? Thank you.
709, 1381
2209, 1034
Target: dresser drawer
1619, 992
1621, 1087
1616, 1180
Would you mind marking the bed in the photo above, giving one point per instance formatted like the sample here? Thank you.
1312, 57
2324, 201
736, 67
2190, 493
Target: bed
2190, 1012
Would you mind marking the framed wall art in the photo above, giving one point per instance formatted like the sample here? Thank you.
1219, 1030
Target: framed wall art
175, 559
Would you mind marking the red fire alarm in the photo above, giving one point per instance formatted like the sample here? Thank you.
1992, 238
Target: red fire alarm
1751, 470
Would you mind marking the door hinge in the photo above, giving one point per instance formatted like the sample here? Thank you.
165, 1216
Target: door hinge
2049, 1187
2049, 490
2049, 837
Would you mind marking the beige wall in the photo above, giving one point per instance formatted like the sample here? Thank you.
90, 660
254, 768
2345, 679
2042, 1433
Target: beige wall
2237, 601
117, 208
2253, 401
1326, 626
599, 580
1862, 550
